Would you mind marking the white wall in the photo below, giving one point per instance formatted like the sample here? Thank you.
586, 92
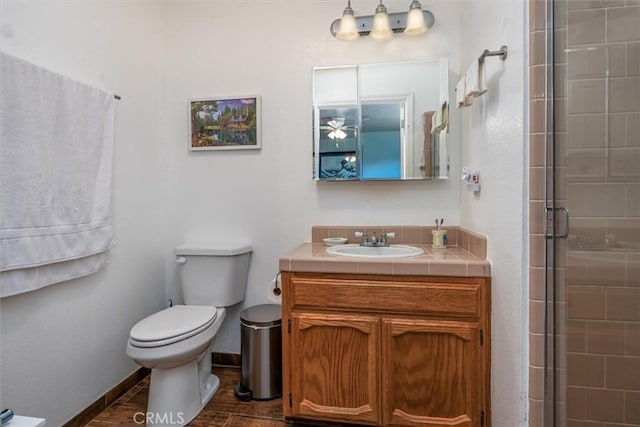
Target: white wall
268, 197
63, 346
494, 143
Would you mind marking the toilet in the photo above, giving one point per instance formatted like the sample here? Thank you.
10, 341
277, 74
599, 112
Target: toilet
175, 343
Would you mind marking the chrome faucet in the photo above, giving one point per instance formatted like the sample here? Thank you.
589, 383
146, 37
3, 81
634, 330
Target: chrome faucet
374, 241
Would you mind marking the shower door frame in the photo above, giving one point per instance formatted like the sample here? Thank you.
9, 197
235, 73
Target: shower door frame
560, 271
547, 216
550, 380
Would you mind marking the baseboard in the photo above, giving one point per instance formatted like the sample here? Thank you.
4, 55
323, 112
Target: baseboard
226, 359
103, 402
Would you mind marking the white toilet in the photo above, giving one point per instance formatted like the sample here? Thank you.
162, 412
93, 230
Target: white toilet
175, 343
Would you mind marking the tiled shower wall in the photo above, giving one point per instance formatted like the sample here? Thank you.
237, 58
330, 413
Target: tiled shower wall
597, 102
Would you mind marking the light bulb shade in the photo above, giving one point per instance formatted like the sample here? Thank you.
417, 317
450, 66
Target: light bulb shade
381, 29
415, 20
348, 27
337, 134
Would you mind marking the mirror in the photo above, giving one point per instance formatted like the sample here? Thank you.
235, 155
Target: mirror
381, 121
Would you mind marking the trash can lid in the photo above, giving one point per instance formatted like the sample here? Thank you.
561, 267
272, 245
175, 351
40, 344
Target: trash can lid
262, 315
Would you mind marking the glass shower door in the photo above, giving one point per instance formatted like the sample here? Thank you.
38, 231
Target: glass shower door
592, 309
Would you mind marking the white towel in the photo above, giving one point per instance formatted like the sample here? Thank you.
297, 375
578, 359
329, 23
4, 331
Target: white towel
440, 119
461, 92
463, 98
445, 115
13, 282
436, 122
475, 83
56, 154
482, 79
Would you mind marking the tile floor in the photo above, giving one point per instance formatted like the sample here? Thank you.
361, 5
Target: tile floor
224, 410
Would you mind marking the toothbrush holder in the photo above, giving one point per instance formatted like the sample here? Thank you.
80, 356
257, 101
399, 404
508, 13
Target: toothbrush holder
439, 239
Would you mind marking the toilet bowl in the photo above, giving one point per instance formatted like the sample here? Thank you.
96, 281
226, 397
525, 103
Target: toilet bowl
176, 343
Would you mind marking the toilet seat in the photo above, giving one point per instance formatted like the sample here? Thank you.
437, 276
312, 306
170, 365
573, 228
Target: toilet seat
171, 325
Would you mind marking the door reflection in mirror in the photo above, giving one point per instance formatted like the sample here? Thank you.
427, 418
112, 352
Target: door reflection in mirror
382, 140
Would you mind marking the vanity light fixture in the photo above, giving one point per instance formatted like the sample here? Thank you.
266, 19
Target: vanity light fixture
347, 27
381, 29
382, 25
415, 20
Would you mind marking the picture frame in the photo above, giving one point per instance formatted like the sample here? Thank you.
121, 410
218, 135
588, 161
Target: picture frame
225, 123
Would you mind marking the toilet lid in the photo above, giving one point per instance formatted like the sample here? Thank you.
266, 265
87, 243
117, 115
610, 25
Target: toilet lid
173, 324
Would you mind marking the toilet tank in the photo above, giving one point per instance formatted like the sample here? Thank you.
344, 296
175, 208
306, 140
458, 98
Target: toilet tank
213, 273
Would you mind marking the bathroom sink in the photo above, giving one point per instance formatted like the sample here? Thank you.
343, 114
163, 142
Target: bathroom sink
393, 251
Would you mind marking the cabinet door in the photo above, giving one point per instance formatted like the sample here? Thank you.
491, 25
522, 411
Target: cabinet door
334, 367
431, 373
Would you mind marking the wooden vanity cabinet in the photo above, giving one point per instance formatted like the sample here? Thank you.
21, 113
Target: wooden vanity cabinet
324, 386
386, 350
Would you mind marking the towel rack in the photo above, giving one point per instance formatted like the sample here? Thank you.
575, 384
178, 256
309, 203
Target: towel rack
502, 53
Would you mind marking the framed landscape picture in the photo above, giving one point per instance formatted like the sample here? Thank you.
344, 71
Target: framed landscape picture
226, 123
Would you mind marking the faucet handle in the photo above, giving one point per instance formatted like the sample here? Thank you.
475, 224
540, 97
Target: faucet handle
364, 236
384, 236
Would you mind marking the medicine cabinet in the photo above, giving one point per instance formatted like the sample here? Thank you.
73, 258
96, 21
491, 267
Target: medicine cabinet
376, 121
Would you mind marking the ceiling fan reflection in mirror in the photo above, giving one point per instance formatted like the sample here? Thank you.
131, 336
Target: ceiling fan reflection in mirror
336, 128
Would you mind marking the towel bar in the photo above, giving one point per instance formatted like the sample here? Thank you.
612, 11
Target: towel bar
502, 53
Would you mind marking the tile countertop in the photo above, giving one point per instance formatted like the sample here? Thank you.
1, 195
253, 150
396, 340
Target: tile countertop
453, 261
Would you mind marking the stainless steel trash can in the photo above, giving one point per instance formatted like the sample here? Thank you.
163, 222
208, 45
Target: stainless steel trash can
261, 352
